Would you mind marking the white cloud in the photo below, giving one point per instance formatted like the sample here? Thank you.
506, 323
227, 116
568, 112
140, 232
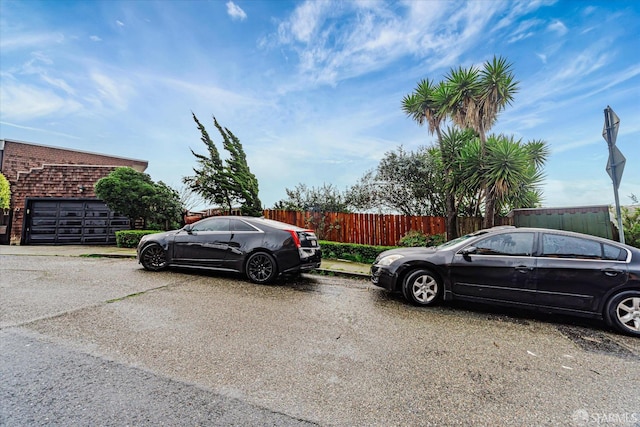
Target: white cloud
40, 130
119, 23
306, 19
26, 41
23, 102
525, 30
39, 65
95, 38
114, 93
336, 41
59, 83
558, 28
235, 12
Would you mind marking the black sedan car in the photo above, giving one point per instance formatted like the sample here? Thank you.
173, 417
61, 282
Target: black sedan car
548, 270
260, 248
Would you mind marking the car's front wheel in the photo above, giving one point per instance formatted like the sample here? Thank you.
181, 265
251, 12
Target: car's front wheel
261, 268
422, 287
623, 312
153, 258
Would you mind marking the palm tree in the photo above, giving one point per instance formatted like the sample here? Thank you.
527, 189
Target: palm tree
478, 98
527, 194
509, 170
427, 105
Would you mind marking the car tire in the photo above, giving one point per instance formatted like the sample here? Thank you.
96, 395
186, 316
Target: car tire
623, 312
153, 258
261, 268
422, 287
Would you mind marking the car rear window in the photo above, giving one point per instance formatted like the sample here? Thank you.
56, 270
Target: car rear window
237, 225
560, 246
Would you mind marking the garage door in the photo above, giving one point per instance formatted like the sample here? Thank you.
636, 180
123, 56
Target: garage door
72, 222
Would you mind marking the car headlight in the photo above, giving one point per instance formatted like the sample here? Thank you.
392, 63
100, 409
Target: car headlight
387, 260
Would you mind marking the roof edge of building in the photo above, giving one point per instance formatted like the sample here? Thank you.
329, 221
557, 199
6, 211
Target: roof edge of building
3, 140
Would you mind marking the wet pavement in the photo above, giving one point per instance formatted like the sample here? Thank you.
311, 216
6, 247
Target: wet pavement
319, 349
328, 266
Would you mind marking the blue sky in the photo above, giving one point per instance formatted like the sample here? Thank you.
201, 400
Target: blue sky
313, 89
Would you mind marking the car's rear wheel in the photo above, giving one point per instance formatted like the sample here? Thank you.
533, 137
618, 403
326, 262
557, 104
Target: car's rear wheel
153, 258
623, 312
261, 268
422, 287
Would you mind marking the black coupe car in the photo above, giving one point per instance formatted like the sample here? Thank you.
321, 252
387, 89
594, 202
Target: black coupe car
549, 270
260, 248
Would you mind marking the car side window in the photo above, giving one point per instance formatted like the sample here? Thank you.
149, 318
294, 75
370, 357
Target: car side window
237, 225
510, 244
215, 224
614, 253
560, 246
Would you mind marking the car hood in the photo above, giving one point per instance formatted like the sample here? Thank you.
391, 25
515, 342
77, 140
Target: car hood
413, 251
160, 236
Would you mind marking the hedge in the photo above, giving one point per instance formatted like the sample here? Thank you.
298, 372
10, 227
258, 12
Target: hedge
351, 251
131, 238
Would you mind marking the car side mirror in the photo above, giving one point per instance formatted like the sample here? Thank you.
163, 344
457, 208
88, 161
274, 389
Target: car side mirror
469, 250
187, 228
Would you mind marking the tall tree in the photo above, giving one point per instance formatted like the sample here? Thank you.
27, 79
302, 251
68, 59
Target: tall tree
224, 183
210, 179
409, 182
479, 95
510, 170
428, 105
165, 207
135, 195
326, 198
245, 189
452, 143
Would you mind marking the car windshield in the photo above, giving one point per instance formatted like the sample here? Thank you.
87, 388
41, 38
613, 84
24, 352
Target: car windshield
454, 242
460, 240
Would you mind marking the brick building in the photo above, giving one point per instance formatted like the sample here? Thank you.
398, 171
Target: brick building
52, 195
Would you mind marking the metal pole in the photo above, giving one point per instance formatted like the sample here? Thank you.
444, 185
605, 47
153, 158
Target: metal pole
612, 165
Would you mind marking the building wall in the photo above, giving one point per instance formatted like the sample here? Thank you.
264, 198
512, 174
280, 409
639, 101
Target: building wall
41, 171
21, 157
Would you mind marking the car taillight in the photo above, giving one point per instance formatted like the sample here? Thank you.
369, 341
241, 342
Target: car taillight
296, 236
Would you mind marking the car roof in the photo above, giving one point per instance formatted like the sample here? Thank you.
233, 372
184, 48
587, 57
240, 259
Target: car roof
261, 221
500, 229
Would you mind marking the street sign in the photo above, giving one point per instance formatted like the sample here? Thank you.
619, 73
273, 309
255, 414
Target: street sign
617, 160
614, 124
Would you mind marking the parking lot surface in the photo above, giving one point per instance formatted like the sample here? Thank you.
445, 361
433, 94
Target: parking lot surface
320, 350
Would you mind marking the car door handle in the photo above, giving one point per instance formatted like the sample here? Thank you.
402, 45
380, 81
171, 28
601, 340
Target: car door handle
524, 269
610, 272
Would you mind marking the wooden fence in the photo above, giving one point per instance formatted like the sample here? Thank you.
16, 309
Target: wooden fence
365, 229
372, 229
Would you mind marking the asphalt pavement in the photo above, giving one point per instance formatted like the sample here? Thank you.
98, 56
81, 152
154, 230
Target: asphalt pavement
329, 266
100, 341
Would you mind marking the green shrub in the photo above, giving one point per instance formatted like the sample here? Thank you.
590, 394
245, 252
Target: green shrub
631, 225
416, 238
131, 238
352, 252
